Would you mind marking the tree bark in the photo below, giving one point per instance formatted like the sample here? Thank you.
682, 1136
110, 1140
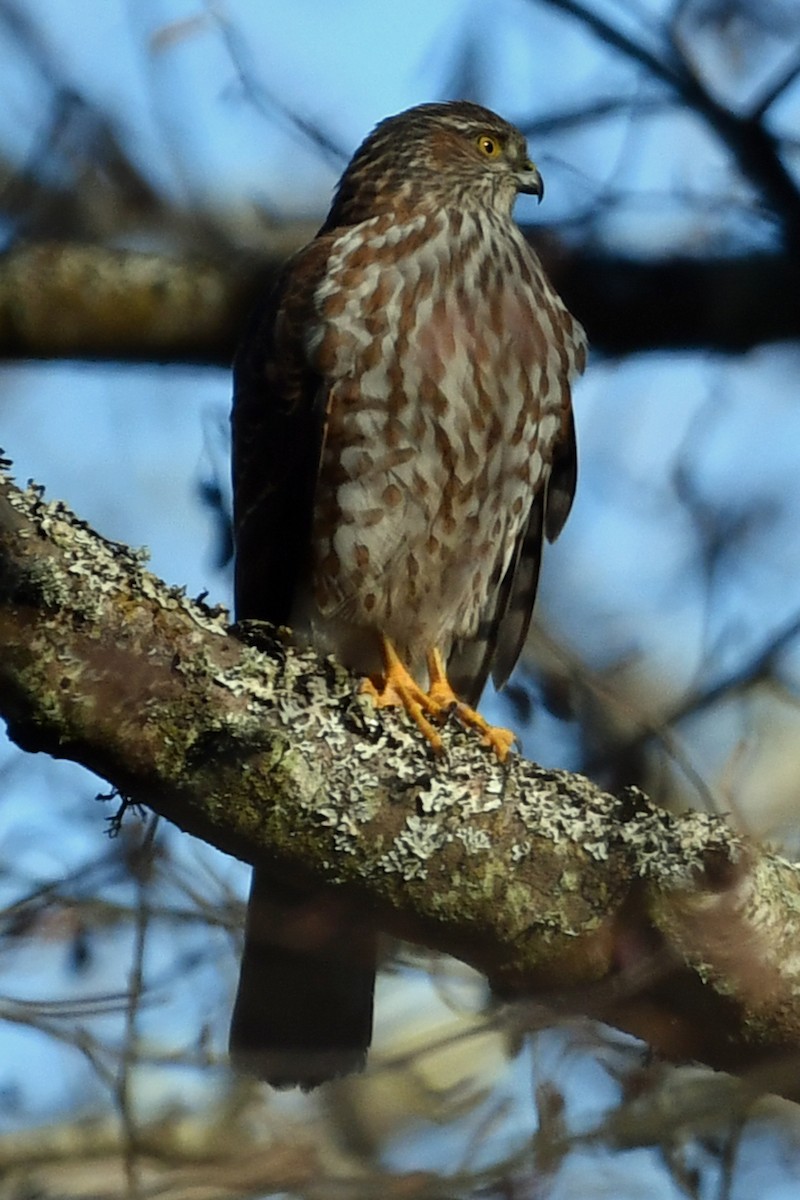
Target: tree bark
674, 928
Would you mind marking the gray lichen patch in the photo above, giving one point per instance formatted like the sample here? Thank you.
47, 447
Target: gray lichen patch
417, 841
99, 567
672, 850
251, 676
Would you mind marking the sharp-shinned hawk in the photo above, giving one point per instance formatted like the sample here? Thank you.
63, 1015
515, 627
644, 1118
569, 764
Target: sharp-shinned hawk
403, 443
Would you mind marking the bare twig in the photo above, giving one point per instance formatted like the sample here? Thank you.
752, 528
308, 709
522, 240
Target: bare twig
755, 148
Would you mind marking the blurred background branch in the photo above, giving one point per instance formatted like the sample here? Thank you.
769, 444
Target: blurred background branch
72, 300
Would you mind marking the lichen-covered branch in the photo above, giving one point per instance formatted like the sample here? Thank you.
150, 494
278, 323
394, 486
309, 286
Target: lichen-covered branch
672, 927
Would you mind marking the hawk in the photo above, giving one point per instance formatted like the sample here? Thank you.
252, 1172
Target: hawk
403, 444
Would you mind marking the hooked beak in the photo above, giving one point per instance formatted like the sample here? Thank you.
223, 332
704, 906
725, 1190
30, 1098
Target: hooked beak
529, 181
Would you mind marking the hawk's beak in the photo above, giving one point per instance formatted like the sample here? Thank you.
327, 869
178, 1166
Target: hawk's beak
530, 181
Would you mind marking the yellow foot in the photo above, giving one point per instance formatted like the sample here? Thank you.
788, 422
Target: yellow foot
398, 690
500, 740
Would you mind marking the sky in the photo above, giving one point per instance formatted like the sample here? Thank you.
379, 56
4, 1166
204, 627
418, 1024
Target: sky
204, 98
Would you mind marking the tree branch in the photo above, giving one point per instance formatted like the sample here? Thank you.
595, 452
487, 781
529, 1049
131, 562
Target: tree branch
674, 928
66, 300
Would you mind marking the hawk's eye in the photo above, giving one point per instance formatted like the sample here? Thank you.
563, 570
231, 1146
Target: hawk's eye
488, 146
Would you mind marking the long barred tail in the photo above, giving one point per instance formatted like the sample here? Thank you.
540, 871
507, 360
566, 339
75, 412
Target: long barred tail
303, 1012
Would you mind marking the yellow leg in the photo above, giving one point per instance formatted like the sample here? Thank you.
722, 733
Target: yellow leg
500, 740
397, 689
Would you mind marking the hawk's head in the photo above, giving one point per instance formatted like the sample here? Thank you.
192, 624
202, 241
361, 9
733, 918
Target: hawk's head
435, 155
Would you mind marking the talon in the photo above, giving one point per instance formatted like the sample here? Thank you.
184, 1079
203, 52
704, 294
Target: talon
397, 689
500, 740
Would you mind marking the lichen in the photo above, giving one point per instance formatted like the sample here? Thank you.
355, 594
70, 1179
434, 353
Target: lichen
102, 568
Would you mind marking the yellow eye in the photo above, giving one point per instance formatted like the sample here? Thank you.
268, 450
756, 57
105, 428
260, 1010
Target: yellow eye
489, 146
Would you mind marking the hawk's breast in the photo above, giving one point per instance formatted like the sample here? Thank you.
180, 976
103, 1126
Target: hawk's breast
446, 360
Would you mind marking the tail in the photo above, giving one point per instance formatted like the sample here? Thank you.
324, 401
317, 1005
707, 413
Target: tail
303, 1012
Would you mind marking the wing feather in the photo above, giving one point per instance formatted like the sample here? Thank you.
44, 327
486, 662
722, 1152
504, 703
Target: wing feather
549, 511
278, 420
522, 581
563, 480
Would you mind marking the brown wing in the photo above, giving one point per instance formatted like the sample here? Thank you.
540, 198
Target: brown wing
303, 1011
549, 512
563, 480
471, 662
499, 642
278, 428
